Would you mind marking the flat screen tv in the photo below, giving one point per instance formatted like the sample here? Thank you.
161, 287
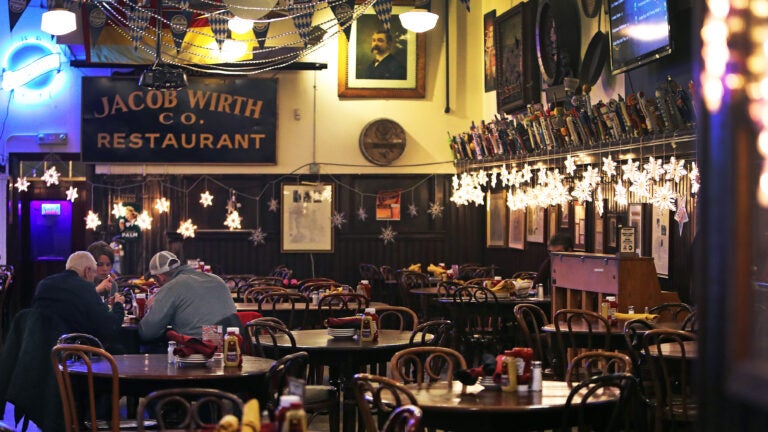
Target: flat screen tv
639, 33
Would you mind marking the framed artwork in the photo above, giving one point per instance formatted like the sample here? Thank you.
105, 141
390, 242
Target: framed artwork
534, 225
554, 221
612, 223
565, 215
517, 70
496, 223
365, 69
579, 226
516, 238
489, 51
660, 232
635, 219
599, 231
388, 206
306, 218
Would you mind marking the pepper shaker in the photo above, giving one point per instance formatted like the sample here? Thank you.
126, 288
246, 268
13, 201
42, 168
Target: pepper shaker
171, 349
536, 379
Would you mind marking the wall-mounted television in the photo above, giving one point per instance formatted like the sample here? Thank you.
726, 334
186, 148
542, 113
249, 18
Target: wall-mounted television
639, 33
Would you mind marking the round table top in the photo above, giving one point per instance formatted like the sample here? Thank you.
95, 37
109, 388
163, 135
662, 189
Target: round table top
428, 291
320, 340
254, 307
673, 350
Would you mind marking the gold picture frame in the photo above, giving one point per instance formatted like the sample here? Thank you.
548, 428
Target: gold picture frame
410, 49
496, 221
305, 220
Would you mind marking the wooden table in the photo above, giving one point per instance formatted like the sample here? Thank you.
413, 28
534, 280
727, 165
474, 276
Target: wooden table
346, 357
672, 350
485, 410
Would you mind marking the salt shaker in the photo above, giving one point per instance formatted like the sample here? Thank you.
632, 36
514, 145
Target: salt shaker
630, 309
171, 349
536, 379
540, 290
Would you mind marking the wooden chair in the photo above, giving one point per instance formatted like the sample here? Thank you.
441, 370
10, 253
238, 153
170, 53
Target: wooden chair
317, 399
480, 325
408, 281
263, 337
689, 323
427, 364
373, 275
441, 332
188, 408
467, 271
341, 304
79, 339
484, 272
235, 282
62, 357
297, 307
377, 397
397, 318
595, 334
254, 292
320, 285
675, 401
530, 319
626, 414
266, 280
633, 335
593, 363
281, 272
406, 418
671, 312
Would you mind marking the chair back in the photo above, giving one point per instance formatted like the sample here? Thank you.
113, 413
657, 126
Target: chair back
63, 357
484, 272
380, 395
235, 282
397, 318
341, 305
254, 292
79, 339
441, 332
426, 364
406, 418
625, 415
579, 328
320, 285
671, 367
671, 312
530, 319
408, 281
264, 337
189, 408
281, 272
593, 363
481, 326
290, 366
447, 288
294, 305
633, 336
689, 323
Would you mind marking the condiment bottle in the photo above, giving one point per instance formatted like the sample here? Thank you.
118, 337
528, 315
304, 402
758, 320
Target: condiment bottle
613, 306
295, 419
369, 328
141, 303
604, 305
508, 372
540, 291
523, 357
232, 356
171, 349
536, 380
282, 410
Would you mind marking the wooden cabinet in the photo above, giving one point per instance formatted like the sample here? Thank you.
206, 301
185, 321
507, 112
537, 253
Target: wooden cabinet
582, 280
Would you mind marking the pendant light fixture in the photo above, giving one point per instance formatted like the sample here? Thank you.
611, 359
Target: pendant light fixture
58, 20
418, 20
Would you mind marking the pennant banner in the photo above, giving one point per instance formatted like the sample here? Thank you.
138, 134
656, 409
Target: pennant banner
179, 26
137, 23
260, 30
303, 19
344, 11
220, 26
15, 9
383, 10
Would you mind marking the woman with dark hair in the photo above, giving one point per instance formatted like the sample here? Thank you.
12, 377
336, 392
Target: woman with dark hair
560, 242
105, 258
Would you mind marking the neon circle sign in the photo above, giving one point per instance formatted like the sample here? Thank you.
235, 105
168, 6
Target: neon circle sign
31, 66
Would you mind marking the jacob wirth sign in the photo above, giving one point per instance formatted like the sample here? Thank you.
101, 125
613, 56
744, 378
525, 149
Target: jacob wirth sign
212, 120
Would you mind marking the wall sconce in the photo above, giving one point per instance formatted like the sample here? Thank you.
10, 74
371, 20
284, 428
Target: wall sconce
57, 20
418, 20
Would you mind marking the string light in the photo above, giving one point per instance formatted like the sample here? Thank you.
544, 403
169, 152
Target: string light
92, 220
51, 176
22, 184
118, 210
144, 221
162, 205
206, 199
72, 194
187, 229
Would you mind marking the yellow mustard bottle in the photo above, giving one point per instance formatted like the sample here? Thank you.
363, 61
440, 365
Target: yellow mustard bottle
508, 372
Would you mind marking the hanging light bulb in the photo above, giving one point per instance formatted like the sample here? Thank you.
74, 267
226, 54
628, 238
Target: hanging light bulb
240, 25
418, 20
58, 20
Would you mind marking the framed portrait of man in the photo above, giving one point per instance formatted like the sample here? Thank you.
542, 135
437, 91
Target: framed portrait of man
375, 63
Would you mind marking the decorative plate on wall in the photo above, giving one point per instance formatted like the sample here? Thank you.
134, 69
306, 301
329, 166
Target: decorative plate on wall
382, 141
558, 41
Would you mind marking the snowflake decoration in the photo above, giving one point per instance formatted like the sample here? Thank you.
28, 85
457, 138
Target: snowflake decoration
118, 210
630, 169
435, 210
51, 176
72, 194
413, 211
693, 174
144, 221
187, 229
609, 167
654, 168
92, 220
599, 201
641, 184
526, 173
388, 235
664, 197
592, 176
258, 237
570, 165
494, 177
361, 214
675, 169
337, 220
582, 191
162, 205
273, 205
22, 184
620, 194
233, 220
543, 174
206, 199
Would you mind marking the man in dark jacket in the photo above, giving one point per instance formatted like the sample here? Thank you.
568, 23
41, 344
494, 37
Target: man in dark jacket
384, 64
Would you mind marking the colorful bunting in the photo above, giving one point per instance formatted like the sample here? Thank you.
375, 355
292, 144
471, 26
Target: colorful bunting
303, 19
15, 9
260, 30
383, 10
219, 26
137, 23
344, 11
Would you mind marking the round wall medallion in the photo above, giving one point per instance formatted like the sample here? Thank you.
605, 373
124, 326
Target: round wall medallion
382, 141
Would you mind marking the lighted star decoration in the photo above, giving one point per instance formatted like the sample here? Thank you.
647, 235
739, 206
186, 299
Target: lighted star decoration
233, 220
620, 193
144, 221
92, 220
641, 184
206, 199
609, 167
494, 177
413, 211
542, 177
258, 237
326, 193
582, 191
337, 219
435, 210
187, 229
630, 169
655, 168
72, 194
592, 176
664, 197
273, 205
693, 175
388, 235
570, 165
675, 169
22, 184
51, 176
599, 201
362, 214
118, 210
162, 205
526, 173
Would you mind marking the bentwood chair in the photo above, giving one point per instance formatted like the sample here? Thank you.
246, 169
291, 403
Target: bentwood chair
341, 305
530, 319
627, 414
426, 364
294, 305
481, 326
373, 275
406, 418
254, 292
397, 318
671, 312
579, 329
188, 408
593, 363
433, 333
377, 397
408, 281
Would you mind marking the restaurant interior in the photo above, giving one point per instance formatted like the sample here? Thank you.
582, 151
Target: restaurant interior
486, 149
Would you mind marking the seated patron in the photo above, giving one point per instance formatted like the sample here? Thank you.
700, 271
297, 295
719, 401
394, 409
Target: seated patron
105, 259
560, 242
187, 300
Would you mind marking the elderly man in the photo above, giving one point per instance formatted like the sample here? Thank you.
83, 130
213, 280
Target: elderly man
187, 300
70, 298
384, 64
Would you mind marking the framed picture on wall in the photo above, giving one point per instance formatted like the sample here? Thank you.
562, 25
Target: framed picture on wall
599, 231
635, 214
534, 224
489, 51
516, 238
660, 233
565, 215
362, 75
306, 218
518, 80
496, 219
579, 226
553, 221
